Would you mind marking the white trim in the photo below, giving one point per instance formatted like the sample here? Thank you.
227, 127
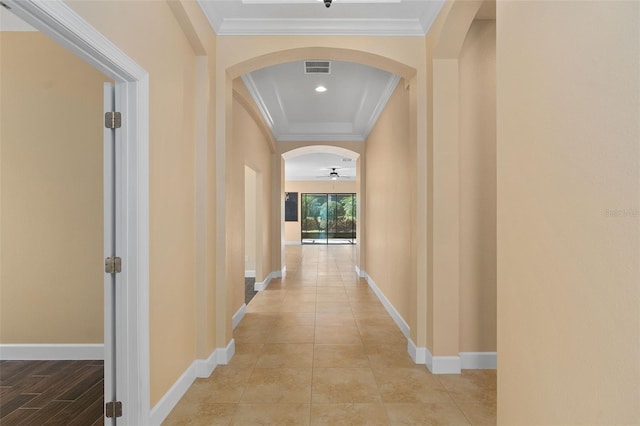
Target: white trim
443, 364
314, 137
70, 351
162, 409
200, 368
382, 103
250, 84
55, 19
293, 243
418, 355
289, 153
421, 355
322, 26
204, 367
249, 273
341, 27
479, 360
225, 354
237, 317
262, 285
400, 322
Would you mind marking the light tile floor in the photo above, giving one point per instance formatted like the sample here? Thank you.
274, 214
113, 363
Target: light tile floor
318, 348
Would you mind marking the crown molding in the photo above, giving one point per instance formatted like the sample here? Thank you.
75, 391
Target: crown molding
382, 103
381, 26
257, 98
315, 137
363, 27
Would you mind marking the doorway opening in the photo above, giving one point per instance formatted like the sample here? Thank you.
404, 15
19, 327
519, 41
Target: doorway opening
328, 218
126, 341
250, 233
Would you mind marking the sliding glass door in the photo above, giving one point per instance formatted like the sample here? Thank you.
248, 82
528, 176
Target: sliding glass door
328, 218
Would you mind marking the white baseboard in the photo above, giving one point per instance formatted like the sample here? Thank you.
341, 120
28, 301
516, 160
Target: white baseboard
70, 352
293, 243
479, 360
162, 409
249, 273
443, 364
262, 285
281, 273
418, 355
204, 367
421, 355
237, 317
198, 368
225, 354
400, 322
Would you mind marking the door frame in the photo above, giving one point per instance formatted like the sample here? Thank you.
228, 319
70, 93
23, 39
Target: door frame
55, 19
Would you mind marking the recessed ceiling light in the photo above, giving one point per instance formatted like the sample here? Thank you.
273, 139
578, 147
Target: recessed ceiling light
321, 89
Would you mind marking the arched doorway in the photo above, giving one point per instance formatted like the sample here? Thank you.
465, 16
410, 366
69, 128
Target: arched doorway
238, 56
337, 199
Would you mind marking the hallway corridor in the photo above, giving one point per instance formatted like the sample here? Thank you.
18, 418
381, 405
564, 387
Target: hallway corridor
318, 348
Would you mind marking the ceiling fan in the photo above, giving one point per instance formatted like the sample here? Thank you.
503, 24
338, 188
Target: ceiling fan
333, 174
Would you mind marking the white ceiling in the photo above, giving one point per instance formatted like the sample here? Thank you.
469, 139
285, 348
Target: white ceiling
356, 95
317, 166
306, 17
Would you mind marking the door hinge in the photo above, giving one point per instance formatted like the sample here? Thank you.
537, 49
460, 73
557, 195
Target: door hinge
113, 409
112, 265
112, 120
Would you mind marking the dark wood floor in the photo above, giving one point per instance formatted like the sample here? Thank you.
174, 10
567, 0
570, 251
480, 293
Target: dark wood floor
51, 393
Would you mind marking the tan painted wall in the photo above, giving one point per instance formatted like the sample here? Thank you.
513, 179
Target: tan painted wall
150, 34
51, 107
388, 205
250, 219
478, 188
568, 212
292, 229
250, 147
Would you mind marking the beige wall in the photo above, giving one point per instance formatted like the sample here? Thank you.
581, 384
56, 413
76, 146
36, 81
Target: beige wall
388, 223
51, 274
152, 36
568, 212
250, 214
292, 229
251, 148
478, 188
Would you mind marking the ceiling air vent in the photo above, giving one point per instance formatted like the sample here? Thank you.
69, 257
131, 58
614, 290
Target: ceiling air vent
317, 67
